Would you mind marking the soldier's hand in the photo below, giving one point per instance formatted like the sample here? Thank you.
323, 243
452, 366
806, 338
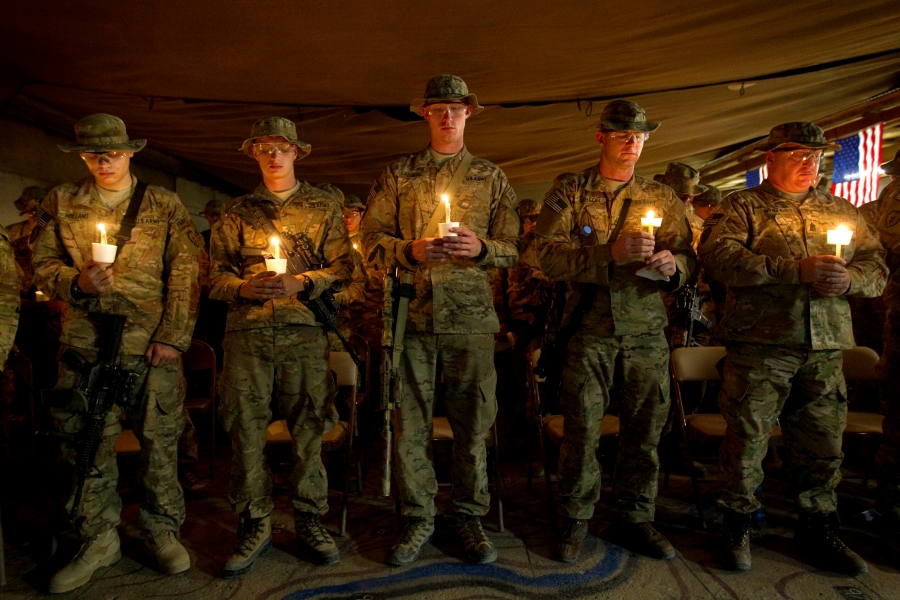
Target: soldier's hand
260, 287
465, 245
636, 244
161, 355
96, 278
822, 268
290, 284
662, 261
429, 250
835, 285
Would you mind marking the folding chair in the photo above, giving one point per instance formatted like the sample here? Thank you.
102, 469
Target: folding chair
200, 373
859, 365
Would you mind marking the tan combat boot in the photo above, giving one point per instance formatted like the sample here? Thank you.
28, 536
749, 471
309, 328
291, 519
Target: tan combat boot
100, 551
170, 555
313, 535
254, 538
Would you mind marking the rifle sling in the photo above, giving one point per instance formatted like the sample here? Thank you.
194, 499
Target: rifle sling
462, 168
400, 322
134, 205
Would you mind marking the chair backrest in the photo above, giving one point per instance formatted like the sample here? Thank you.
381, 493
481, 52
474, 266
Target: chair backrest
859, 363
697, 364
535, 357
199, 356
343, 367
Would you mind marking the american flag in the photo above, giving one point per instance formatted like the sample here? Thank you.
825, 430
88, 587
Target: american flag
757, 176
856, 166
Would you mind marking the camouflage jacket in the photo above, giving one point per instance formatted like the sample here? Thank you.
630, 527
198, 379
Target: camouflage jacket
454, 296
578, 251
364, 295
354, 295
528, 288
155, 274
238, 251
889, 231
9, 296
755, 244
19, 235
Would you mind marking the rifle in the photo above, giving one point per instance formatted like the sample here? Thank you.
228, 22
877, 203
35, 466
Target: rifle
394, 312
107, 384
301, 258
690, 303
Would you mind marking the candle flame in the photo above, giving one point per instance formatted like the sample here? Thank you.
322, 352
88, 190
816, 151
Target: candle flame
651, 214
842, 227
276, 252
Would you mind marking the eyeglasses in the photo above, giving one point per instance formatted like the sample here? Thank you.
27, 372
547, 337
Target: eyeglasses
268, 149
355, 212
439, 110
95, 157
802, 154
627, 136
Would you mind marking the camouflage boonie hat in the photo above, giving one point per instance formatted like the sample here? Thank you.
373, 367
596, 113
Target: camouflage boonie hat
352, 202
33, 193
213, 207
102, 133
275, 126
442, 88
682, 178
623, 115
529, 208
892, 167
333, 191
711, 197
798, 133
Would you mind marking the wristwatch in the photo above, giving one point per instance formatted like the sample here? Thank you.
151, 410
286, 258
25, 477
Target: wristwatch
77, 292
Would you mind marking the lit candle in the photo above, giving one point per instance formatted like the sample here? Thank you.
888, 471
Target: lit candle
276, 249
102, 252
839, 237
354, 246
102, 230
446, 200
651, 221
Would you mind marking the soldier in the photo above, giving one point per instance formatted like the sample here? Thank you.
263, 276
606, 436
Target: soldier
888, 499
20, 233
449, 343
786, 323
705, 203
152, 282
212, 212
685, 181
592, 238
9, 295
273, 341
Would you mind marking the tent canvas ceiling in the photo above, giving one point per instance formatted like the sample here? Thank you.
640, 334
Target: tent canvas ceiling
193, 76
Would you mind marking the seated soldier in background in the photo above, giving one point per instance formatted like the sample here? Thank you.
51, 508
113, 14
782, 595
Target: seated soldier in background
685, 181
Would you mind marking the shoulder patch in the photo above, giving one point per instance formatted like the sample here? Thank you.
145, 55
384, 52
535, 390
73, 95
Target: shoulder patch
196, 238
373, 193
712, 220
556, 203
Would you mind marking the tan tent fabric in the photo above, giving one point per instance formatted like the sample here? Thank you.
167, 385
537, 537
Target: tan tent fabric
193, 76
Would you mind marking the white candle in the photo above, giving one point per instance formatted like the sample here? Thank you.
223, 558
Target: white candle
839, 237
102, 230
102, 252
446, 200
651, 221
276, 248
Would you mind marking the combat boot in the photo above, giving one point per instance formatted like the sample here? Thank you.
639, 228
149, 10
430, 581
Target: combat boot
417, 533
254, 539
313, 535
736, 541
170, 555
100, 551
817, 535
479, 549
643, 538
569, 545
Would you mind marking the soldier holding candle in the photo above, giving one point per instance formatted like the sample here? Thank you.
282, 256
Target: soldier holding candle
786, 322
449, 341
617, 239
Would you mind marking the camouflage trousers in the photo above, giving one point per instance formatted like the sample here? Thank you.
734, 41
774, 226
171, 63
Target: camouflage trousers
460, 369
188, 443
805, 389
637, 368
155, 413
888, 499
292, 362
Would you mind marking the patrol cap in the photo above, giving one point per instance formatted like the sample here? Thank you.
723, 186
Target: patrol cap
711, 197
444, 88
352, 202
682, 178
624, 115
274, 126
529, 208
798, 133
33, 193
892, 167
213, 207
102, 133
333, 191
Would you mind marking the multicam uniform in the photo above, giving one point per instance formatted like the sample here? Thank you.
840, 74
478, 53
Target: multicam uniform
451, 320
623, 328
277, 345
19, 235
156, 289
9, 296
888, 501
783, 338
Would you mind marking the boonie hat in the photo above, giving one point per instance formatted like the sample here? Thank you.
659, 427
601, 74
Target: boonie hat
798, 133
213, 207
529, 208
352, 202
442, 88
102, 133
711, 197
33, 193
274, 126
333, 191
682, 178
624, 115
